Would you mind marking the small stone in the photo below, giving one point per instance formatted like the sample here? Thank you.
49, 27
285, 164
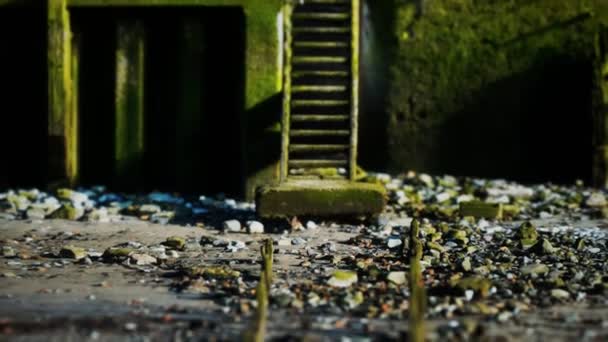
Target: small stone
560, 294
394, 242
130, 326
298, 241
255, 227
75, 197
8, 252
113, 253
311, 225
99, 215
283, 242
466, 264
173, 254
143, 259
175, 242
397, 278
534, 269
71, 252
232, 226
343, 278
163, 217
469, 294
36, 214
149, 209
434, 246
476, 283
68, 212
480, 209
458, 235
91, 297
543, 246
596, 200
235, 246
527, 234
213, 272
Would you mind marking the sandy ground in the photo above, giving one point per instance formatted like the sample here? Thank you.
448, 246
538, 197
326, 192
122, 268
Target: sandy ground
110, 302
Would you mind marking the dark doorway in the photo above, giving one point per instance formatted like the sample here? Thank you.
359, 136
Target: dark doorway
194, 98
23, 101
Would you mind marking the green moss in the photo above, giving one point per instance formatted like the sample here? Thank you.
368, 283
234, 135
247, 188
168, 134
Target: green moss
213, 272
452, 53
320, 198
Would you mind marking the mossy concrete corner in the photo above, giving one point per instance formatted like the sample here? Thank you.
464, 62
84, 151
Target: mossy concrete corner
320, 198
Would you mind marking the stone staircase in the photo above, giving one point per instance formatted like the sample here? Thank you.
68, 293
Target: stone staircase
320, 121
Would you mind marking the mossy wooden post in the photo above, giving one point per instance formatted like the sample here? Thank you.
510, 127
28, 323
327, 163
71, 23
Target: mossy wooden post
600, 120
62, 124
129, 131
189, 107
354, 115
286, 117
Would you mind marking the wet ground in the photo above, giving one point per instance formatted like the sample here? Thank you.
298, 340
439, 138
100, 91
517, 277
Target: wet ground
127, 278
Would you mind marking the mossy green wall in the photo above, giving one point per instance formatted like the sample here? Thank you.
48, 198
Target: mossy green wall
471, 82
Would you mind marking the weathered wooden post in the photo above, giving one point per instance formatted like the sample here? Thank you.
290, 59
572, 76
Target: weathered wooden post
63, 119
129, 131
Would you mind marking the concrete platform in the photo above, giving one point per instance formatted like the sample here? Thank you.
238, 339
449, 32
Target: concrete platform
322, 198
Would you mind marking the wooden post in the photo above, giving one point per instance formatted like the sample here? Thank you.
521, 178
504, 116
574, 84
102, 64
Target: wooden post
600, 110
129, 131
62, 124
286, 117
354, 115
189, 152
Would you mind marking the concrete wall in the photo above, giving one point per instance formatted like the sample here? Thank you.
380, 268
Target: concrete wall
486, 88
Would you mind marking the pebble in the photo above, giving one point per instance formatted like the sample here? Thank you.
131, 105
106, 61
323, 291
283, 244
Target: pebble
283, 242
232, 226
311, 225
149, 209
235, 246
71, 252
560, 294
596, 200
534, 269
298, 241
175, 242
466, 264
397, 278
255, 227
143, 259
394, 242
8, 252
342, 278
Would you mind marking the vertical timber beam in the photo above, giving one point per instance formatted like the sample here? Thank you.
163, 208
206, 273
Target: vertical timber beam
354, 115
62, 123
600, 110
189, 106
286, 117
129, 97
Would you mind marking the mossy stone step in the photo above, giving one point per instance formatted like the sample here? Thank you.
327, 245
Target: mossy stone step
318, 147
308, 163
318, 59
319, 118
321, 16
319, 132
319, 44
319, 73
321, 198
308, 29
